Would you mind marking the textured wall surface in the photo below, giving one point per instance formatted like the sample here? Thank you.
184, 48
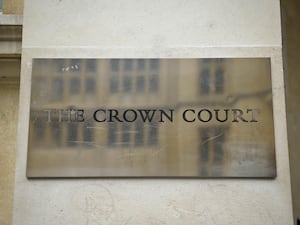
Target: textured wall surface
9, 99
140, 28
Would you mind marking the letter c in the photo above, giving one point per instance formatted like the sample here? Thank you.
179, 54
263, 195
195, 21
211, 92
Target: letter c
184, 115
95, 115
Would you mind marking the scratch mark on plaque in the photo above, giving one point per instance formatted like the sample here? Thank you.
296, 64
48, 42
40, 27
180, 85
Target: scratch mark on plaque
212, 138
100, 128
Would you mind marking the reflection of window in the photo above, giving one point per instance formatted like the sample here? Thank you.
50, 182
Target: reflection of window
40, 62
72, 134
206, 60
211, 80
209, 60
141, 64
127, 84
128, 64
153, 134
204, 82
114, 76
134, 76
40, 87
153, 85
126, 134
88, 134
75, 64
115, 65
219, 82
211, 151
140, 84
91, 65
114, 83
154, 64
58, 88
139, 133
112, 134
56, 133
135, 134
75, 85
90, 86
39, 129
60, 63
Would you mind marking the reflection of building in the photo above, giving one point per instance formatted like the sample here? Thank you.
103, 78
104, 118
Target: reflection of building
138, 148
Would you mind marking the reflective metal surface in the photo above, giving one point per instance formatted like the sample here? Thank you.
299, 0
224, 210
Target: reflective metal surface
151, 118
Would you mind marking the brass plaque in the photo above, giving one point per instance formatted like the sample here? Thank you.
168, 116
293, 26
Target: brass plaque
166, 117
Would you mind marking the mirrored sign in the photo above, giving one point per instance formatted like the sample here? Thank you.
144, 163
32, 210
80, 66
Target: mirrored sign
147, 117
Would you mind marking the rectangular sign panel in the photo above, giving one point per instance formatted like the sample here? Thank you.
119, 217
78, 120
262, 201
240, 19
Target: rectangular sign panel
182, 117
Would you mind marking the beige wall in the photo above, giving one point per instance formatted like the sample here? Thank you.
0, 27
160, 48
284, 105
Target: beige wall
151, 32
9, 97
13, 6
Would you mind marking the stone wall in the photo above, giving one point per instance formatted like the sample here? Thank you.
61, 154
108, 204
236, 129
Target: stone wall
12, 6
139, 28
9, 102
